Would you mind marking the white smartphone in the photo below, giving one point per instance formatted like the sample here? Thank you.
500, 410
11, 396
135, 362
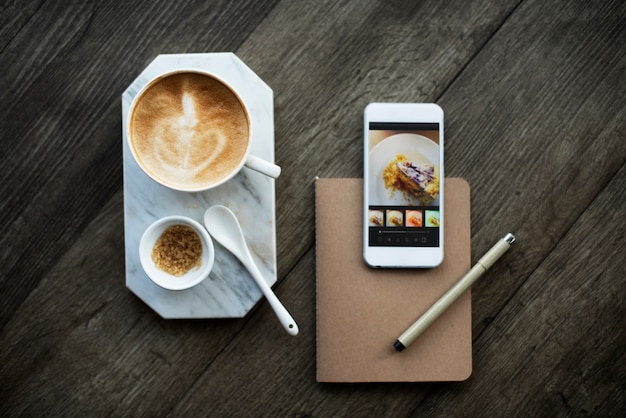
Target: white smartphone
403, 185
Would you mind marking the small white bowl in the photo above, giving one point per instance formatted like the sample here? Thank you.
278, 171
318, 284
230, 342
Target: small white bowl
160, 277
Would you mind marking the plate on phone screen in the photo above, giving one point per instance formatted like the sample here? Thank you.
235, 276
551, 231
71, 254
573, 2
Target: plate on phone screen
416, 148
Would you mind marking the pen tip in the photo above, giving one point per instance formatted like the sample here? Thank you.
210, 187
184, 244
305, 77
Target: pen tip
399, 346
509, 238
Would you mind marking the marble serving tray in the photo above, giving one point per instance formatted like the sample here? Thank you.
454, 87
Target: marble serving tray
229, 291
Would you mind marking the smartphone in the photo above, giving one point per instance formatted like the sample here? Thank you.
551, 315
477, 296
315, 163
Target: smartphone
403, 185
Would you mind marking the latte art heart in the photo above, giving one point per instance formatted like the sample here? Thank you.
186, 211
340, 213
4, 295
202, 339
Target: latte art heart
176, 140
189, 131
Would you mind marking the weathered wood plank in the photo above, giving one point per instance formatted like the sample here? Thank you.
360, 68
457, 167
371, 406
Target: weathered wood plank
13, 16
536, 125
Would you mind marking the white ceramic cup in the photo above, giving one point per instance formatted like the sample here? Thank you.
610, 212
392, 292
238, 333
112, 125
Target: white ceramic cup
255, 163
166, 280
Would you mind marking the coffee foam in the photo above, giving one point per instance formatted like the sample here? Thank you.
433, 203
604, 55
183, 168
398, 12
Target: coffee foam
189, 131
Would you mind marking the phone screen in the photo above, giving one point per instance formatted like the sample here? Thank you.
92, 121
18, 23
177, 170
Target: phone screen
404, 185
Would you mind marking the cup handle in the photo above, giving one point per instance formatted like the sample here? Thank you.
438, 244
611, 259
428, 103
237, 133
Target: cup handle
263, 166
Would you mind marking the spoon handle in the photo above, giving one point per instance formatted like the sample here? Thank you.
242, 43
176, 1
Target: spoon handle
281, 312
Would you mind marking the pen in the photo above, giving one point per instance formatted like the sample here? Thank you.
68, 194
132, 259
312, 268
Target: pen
454, 292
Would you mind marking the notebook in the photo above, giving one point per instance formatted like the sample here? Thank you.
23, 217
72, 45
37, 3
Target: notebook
362, 311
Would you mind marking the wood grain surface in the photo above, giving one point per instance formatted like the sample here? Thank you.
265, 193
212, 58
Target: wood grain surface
534, 95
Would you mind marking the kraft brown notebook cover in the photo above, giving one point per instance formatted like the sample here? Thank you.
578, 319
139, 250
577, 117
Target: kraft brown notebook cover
361, 311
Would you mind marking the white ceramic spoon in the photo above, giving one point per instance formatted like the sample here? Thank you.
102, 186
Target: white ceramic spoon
224, 227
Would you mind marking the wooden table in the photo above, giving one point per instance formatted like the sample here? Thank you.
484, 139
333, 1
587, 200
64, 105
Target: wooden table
534, 94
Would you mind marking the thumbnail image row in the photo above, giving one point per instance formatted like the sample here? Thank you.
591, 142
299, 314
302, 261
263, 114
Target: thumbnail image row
406, 218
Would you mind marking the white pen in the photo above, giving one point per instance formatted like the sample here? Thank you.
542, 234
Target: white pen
454, 292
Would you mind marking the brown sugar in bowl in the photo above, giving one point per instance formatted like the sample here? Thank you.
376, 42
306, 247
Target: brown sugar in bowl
176, 252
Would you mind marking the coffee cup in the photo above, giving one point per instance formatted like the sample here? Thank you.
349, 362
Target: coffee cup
189, 130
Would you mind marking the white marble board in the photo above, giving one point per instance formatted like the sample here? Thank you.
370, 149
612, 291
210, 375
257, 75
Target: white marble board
229, 291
